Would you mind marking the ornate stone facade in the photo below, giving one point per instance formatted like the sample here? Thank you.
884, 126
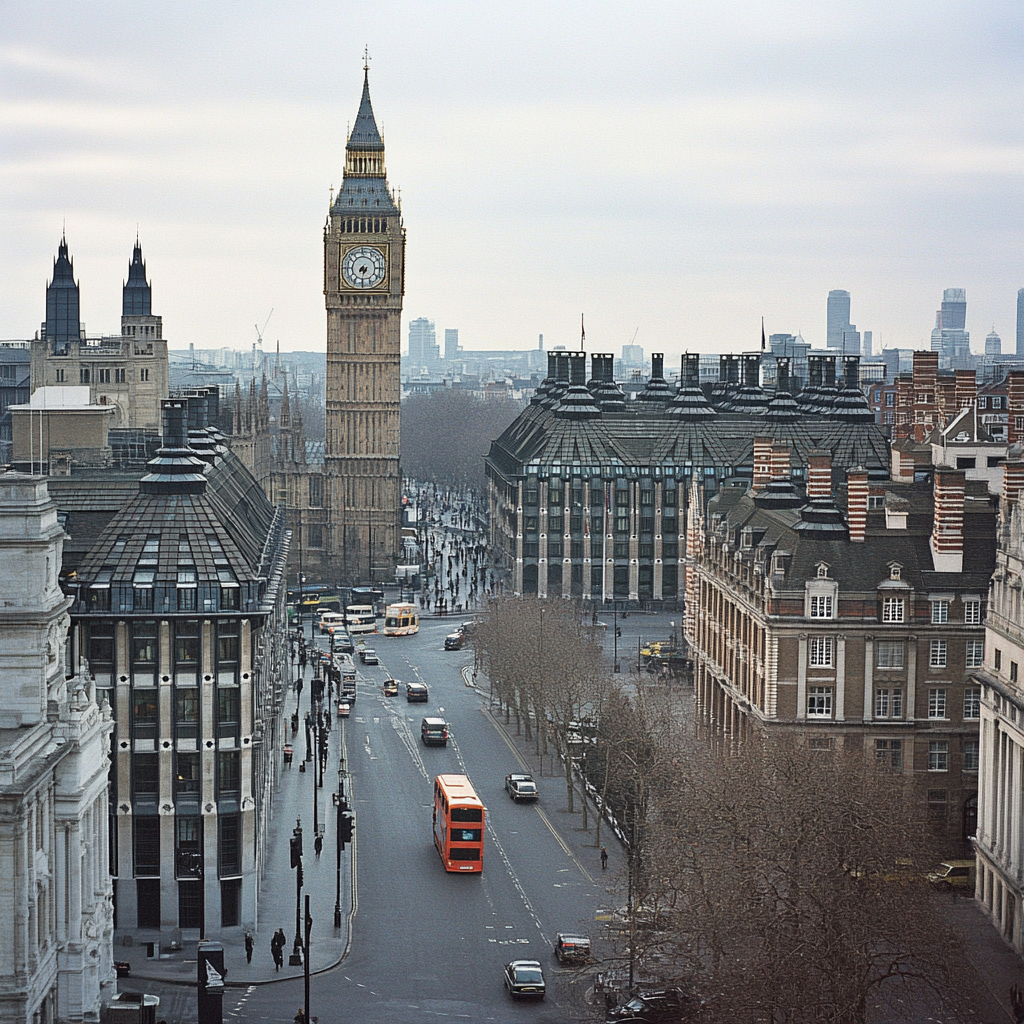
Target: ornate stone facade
56, 945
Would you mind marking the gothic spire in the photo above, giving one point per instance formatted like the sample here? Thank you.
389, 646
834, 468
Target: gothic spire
364, 134
62, 301
136, 296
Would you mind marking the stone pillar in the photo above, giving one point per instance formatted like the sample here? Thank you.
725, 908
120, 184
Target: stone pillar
542, 545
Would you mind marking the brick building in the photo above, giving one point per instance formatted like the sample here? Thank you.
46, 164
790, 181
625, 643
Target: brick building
849, 615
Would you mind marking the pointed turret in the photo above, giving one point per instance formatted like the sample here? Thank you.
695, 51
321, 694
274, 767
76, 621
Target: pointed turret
136, 296
364, 190
62, 302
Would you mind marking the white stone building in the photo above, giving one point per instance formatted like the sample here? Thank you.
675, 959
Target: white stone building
56, 943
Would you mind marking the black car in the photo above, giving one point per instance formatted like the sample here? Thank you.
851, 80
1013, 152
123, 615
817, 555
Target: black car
454, 641
416, 693
571, 948
663, 1006
521, 787
342, 644
524, 978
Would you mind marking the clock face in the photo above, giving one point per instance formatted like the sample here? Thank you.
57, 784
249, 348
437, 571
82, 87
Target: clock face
363, 266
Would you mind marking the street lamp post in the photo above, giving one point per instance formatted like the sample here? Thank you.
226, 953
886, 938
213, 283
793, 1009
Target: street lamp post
339, 803
296, 861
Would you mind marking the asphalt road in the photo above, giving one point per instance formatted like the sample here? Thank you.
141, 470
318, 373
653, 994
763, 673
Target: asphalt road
425, 943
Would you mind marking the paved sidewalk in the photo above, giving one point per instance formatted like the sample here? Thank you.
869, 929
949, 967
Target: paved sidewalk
276, 907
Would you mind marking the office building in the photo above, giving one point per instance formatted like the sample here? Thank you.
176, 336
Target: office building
364, 261
837, 318
1020, 323
949, 337
993, 344
452, 349
180, 609
423, 350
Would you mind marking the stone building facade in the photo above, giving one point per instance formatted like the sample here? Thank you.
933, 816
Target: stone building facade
364, 285
849, 615
127, 371
1000, 835
56, 944
589, 492
180, 609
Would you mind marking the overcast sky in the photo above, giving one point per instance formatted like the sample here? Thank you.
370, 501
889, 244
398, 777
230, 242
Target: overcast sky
672, 170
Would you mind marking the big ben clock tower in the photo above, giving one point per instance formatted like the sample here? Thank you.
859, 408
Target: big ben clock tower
364, 281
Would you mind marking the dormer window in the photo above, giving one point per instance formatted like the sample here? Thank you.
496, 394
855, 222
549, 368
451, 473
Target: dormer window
895, 569
822, 571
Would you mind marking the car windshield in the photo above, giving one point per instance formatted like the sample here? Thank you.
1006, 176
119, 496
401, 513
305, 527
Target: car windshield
530, 974
526, 786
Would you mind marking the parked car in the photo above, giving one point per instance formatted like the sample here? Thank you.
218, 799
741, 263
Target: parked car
368, 656
572, 948
521, 787
434, 732
454, 641
416, 693
390, 687
663, 1005
524, 978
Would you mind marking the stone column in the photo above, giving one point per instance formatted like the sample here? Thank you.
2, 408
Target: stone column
542, 545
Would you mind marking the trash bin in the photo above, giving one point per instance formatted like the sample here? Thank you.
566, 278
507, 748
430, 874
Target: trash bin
122, 968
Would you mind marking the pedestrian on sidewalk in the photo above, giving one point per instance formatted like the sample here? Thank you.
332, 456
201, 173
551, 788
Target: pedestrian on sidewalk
248, 946
318, 845
277, 948
604, 858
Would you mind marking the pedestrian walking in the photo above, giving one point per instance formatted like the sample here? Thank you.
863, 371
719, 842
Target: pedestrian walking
248, 946
318, 844
604, 858
277, 948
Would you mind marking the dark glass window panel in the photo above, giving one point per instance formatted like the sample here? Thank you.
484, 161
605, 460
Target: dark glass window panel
147, 845
230, 844
147, 891
228, 773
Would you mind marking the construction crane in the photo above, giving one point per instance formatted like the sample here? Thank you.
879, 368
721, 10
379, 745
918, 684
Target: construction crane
259, 341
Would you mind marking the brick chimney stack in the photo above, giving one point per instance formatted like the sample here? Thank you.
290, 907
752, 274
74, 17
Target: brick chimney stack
1015, 405
762, 462
780, 462
1013, 483
819, 474
857, 503
947, 540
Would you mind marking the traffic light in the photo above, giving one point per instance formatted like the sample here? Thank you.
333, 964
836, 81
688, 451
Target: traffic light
295, 847
348, 825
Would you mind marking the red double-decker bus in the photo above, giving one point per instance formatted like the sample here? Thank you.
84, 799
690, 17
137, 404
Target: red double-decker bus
458, 824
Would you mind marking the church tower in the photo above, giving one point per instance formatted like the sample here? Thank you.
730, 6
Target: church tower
364, 281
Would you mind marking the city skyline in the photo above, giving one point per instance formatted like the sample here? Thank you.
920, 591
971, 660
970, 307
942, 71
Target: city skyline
551, 162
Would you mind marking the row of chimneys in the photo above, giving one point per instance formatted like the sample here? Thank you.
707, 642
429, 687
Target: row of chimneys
925, 400
771, 462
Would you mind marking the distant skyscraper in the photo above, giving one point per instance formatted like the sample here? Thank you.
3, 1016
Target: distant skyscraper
993, 344
423, 349
451, 343
867, 344
1020, 323
949, 338
837, 317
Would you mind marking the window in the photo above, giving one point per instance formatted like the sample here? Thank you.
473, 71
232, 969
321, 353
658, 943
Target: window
144, 713
530, 524
819, 702
119, 375
890, 398
669, 550
622, 524
315, 536
821, 606
938, 755
998, 659
970, 755
622, 549
972, 702
147, 845
554, 524
316, 491
229, 847
186, 712
937, 653
187, 597
144, 375
937, 703
60, 376
103, 376
186, 778
646, 550
975, 653
889, 753
894, 571
890, 654
820, 648
892, 608
889, 702
972, 613
668, 497
145, 778
228, 774
822, 571
1013, 671
554, 549
940, 612
819, 743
